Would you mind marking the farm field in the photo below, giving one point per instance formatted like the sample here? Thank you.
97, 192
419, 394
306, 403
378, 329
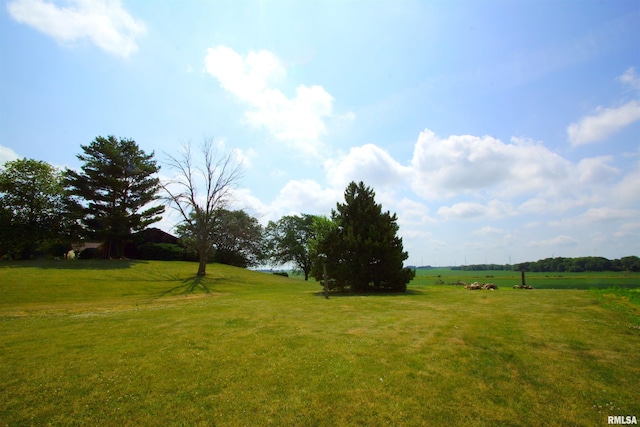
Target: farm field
147, 343
502, 278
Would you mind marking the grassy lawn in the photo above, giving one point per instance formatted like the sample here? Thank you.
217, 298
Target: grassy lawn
146, 343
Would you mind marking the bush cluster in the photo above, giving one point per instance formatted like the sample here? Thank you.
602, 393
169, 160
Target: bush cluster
160, 252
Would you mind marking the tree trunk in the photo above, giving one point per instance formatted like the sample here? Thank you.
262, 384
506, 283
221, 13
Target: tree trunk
326, 280
202, 263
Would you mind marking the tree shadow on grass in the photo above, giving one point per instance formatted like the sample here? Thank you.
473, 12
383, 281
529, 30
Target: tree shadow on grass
187, 286
342, 294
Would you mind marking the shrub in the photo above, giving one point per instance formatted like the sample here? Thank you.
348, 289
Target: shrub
160, 252
281, 273
90, 253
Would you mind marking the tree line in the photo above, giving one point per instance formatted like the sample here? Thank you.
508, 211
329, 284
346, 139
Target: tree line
116, 194
561, 265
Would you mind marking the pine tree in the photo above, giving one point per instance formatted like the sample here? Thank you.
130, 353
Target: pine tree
364, 251
116, 182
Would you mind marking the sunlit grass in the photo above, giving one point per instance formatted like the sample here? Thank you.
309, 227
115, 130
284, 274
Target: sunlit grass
129, 344
508, 278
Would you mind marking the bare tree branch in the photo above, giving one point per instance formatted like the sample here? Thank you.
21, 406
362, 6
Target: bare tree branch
219, 172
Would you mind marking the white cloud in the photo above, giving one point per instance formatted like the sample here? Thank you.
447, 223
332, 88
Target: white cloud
487, 230
604, 123
307, 196
473, 210
545, 205
412, 213
558, 241
627, 191
630, 78
7, 155
245, 157
299, 121
415, 234
608, 214
597, 217
487, 180
243, 198
469, 164
245, 78
295, 197
596, 170
368, 163
104, 22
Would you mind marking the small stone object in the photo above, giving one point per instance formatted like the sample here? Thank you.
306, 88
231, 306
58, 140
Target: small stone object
475, 286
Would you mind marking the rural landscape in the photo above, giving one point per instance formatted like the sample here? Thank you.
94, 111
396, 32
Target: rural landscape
107, 320
319, 213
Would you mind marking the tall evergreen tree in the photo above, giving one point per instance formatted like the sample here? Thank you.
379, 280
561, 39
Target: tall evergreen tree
364, 252
111, 192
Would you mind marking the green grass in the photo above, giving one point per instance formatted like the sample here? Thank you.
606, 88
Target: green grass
147, 343
507, 279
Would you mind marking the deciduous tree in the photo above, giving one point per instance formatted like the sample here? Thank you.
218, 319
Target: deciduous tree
199, 192
236, 238
32, 208
287, 241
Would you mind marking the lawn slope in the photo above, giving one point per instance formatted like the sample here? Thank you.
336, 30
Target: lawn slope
147, 343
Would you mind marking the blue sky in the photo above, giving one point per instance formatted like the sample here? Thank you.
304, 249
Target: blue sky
498, 131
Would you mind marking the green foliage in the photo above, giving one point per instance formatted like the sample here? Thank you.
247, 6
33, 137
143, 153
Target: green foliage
580, 264
161, 252
90, 253
235, 238
32, 210
362, 251
112, 191
287, 241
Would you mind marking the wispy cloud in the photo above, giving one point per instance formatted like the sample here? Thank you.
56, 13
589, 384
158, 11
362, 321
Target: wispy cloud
630, 78
605, 122
7, 155
555, 242
104, 22
474, 210
487, 230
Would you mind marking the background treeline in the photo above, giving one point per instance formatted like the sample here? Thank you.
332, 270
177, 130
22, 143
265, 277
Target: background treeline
105, 209
560, 265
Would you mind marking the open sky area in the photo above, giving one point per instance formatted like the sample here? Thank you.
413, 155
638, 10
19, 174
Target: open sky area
498, 131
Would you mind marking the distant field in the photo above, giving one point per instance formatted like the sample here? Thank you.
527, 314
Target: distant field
598, 280
147, 343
